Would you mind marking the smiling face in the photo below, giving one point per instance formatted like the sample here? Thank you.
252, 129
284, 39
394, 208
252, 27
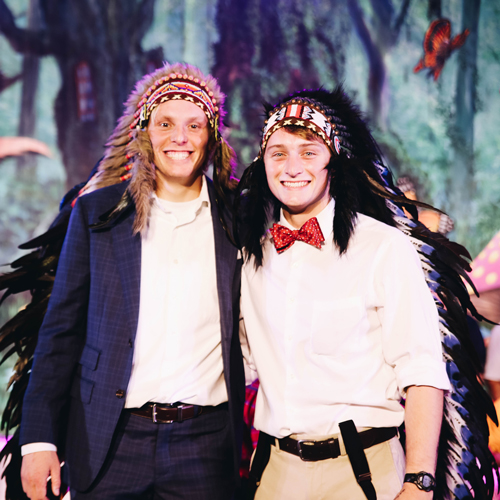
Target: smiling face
179, 134
297, 175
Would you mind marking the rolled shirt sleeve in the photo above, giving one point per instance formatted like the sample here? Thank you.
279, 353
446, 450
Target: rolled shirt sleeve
409, 318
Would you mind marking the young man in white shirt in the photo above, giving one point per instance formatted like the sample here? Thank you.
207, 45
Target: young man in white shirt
337, 320
137, 381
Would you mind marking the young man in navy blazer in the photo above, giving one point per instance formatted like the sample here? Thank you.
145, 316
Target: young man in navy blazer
137, 381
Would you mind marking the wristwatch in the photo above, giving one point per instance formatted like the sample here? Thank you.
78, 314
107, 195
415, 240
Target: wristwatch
423, 480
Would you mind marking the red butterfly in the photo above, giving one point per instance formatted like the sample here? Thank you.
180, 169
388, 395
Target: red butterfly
438, 47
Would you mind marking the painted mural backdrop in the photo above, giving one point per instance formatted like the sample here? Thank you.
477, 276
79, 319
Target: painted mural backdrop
426, 73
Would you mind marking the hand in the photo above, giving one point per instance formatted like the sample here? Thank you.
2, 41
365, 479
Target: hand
409, 491
35, 471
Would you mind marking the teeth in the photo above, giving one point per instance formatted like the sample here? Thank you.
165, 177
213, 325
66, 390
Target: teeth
177, 155
295, 184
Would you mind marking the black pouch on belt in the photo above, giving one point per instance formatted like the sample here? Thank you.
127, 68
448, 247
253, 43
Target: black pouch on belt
357, 457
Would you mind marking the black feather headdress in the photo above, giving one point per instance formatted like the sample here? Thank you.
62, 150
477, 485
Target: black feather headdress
361, 183
356, 181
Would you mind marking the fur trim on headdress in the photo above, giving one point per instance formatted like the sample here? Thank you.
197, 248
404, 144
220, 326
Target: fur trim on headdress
129, 153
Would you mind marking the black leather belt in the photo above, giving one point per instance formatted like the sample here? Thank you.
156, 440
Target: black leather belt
312, 451
168, 414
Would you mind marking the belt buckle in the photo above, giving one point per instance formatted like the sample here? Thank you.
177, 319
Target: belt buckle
155, 418
300, 442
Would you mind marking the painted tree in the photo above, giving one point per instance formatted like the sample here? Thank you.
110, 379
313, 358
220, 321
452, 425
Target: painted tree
275, 47
462, 185
7, 81
27, 117
97, 46
196, 45
377, 40
434, 9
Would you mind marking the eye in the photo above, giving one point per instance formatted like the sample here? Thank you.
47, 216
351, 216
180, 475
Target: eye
309, 153
164, 124
278, 154
194, 126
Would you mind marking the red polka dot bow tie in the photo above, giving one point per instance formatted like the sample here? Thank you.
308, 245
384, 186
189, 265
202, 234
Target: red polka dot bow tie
284, 238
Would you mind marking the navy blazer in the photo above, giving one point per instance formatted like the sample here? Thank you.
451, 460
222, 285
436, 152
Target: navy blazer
83, 359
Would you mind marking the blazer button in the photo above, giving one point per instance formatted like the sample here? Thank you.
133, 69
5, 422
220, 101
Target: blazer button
120, 393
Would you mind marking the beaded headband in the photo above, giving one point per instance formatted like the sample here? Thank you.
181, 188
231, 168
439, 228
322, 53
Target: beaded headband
177, 86
304, 113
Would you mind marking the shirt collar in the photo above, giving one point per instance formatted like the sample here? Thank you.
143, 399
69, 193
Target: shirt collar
204, 198
325, 219
193, 206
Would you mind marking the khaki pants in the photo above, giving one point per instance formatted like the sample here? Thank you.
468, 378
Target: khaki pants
288, 477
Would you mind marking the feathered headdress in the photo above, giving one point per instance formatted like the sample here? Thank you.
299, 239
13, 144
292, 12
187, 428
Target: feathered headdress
361, 183
129, 154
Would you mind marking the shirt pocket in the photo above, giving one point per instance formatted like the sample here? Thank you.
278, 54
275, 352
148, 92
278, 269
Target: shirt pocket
336, 325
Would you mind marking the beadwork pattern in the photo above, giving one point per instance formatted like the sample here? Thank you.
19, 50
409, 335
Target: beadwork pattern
176, 86
302, 114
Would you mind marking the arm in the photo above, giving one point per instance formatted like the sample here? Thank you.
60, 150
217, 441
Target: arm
58, 349
423, 415
411, 339
412, 346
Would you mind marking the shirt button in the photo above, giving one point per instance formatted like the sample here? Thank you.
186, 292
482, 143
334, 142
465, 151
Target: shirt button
176, 261
120, 393
295, 265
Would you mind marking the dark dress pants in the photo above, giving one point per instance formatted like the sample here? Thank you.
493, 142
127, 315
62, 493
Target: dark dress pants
188, 460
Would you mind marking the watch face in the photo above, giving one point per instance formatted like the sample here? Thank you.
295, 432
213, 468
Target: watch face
426, 481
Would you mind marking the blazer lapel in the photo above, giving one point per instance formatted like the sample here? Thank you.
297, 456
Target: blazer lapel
127, 249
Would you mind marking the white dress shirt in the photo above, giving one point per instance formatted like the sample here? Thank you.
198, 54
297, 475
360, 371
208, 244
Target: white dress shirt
335, 337
177, 350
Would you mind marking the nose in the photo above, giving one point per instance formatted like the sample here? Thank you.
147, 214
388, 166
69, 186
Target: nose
293, 166
179, 135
